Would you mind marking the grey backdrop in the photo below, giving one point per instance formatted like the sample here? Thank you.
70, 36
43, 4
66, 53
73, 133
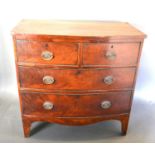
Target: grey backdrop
138, 13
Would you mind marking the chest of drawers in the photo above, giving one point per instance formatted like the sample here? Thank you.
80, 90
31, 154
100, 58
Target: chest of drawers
76, 72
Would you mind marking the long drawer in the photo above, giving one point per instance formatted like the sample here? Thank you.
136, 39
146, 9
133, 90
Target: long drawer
76, 105
76, 79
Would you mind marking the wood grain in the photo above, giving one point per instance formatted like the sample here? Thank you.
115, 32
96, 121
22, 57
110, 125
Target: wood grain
76, 105
63, 53
94, 54
73, 121
76, 79
76, 28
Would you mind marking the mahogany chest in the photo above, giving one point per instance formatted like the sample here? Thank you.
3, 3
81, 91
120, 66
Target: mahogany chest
76, 72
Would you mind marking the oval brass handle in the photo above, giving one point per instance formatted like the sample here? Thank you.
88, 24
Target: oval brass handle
48, 80
110, 55
48, 105
47, 55
106, 104
108, 80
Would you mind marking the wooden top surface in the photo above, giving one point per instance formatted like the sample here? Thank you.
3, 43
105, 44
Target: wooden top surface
76, 28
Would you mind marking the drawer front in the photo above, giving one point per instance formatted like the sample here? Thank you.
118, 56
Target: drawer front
76, 105
47, 52
107, 54
76, 79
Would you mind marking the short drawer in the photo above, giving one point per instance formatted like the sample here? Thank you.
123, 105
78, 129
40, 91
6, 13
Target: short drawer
76, 79
76, 105
108, 54
47, 52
